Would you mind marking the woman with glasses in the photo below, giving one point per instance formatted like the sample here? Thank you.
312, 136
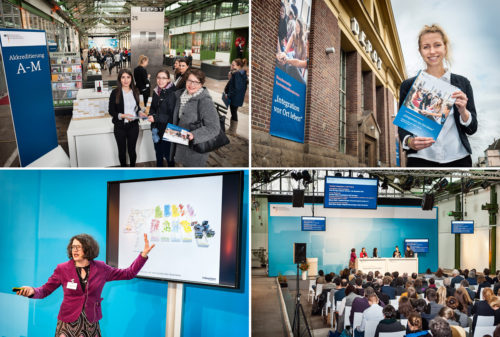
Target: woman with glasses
160, 114
194, 104
83, 279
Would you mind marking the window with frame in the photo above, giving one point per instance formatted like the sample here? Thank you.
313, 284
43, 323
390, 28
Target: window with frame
241, 7
11, 17
342, 101
224, 9
196, 16
188, 41
186, 19
224, 39
197, 40
208, 13
208, 41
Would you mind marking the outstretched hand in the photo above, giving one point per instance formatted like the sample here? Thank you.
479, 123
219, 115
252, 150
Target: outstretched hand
26, 291
147, 247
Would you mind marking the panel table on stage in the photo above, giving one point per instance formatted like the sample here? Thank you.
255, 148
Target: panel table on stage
383, 265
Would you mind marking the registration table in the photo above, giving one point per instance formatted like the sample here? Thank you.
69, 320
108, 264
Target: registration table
383, 265
92, 143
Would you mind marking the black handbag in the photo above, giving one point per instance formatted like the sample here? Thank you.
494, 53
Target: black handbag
212, 144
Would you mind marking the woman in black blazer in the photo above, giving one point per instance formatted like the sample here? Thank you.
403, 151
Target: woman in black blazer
124, 108
162, 113
452, 148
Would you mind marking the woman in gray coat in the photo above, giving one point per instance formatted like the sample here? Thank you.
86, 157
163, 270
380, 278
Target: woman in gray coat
193, 102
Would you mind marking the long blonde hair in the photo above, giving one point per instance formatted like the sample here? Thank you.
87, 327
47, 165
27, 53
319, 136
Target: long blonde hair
435, 28
142, 58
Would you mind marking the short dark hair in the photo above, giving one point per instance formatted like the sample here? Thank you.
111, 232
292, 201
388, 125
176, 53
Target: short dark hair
440, 327
90, 246
389, 311
349, 289
321, 272
328, 278
200, 75
359, 281
431, 295
163, 70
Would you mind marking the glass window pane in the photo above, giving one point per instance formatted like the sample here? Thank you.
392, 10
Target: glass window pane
224, 38
208, 13
242, 8
197, 16
224, 9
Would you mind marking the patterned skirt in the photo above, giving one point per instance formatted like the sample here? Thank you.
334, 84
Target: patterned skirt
79, 328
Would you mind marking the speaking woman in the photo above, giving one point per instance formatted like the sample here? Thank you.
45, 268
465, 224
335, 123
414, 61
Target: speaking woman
352, 260
451, 148
124, 108
160, 114
191, 105
83, 279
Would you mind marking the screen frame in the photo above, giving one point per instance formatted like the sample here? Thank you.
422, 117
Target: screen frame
325, 193
428, 246
239, 175
308, 230
473, 226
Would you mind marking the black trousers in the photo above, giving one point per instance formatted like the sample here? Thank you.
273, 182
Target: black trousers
126, 138
418, 162
234, 113
162, 149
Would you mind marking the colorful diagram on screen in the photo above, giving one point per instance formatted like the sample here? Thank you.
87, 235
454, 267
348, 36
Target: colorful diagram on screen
176, 223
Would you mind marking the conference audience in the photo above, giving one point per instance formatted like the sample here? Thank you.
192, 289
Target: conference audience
350, 295
448, 314
456, 278
340, 293
472, 278
452, 303
441, 292
433, 306
483, 308
482, 283
389, 323
464, 300
404, 307
465, 284
387, 289
486, 273
440, 328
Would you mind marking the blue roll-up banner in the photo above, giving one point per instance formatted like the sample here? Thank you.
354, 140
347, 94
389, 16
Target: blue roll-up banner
290, 77
27, 73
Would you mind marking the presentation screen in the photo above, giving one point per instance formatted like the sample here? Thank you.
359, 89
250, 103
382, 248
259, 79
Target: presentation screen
313, 223
344, 192
462, 227
417, 245
194, 221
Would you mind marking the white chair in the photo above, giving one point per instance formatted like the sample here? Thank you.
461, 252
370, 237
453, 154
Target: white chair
404, 322
356, 321
473, 287
328, 304
480, 331
370, 328
311, 290
319, 290
392, 334
347, 313
337, 305
485, 321
439, 283
457, 285
394, 303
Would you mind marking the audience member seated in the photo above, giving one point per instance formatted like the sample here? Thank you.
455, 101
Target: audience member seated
439, 275
456, 278
419, 287
420, 306
428, 273
464, 300
383, 297
441, 292
460, 317
448, 314
450, 291
440, 328
360, 304
482, 283
373, 313
404, 307
399, 288
321, 277
483, 308
358, 286
472, 278
433, 307
389, 323
328, 285
350, 295
432, 283
340, 293
414, 326
387, 289
486, 273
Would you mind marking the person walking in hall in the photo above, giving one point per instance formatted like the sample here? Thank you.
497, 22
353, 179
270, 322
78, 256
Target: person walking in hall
235, 91
142, 77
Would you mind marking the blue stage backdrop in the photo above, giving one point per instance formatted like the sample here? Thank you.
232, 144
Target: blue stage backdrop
27, 70
384, 228
41, 210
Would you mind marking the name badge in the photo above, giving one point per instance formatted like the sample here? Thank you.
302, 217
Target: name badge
71, 285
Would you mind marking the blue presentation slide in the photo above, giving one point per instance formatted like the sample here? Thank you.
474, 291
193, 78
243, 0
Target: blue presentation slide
343, 192
462, 227
418, 245
313, 223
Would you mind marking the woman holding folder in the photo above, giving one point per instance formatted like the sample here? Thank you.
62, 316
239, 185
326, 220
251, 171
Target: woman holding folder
452, 147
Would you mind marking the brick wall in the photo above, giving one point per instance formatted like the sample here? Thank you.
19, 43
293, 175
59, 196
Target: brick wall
322, 104
382, 123
353, 101
369, 91
393, 129
265, 20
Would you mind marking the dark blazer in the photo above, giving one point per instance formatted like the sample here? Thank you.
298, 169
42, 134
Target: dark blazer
74, 299
141, 79
237, 88
162, 109
463, 131
455, 280
389, 325
114, 109
482, 308
390, 291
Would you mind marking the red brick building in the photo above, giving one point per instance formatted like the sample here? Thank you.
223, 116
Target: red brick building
352, 93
